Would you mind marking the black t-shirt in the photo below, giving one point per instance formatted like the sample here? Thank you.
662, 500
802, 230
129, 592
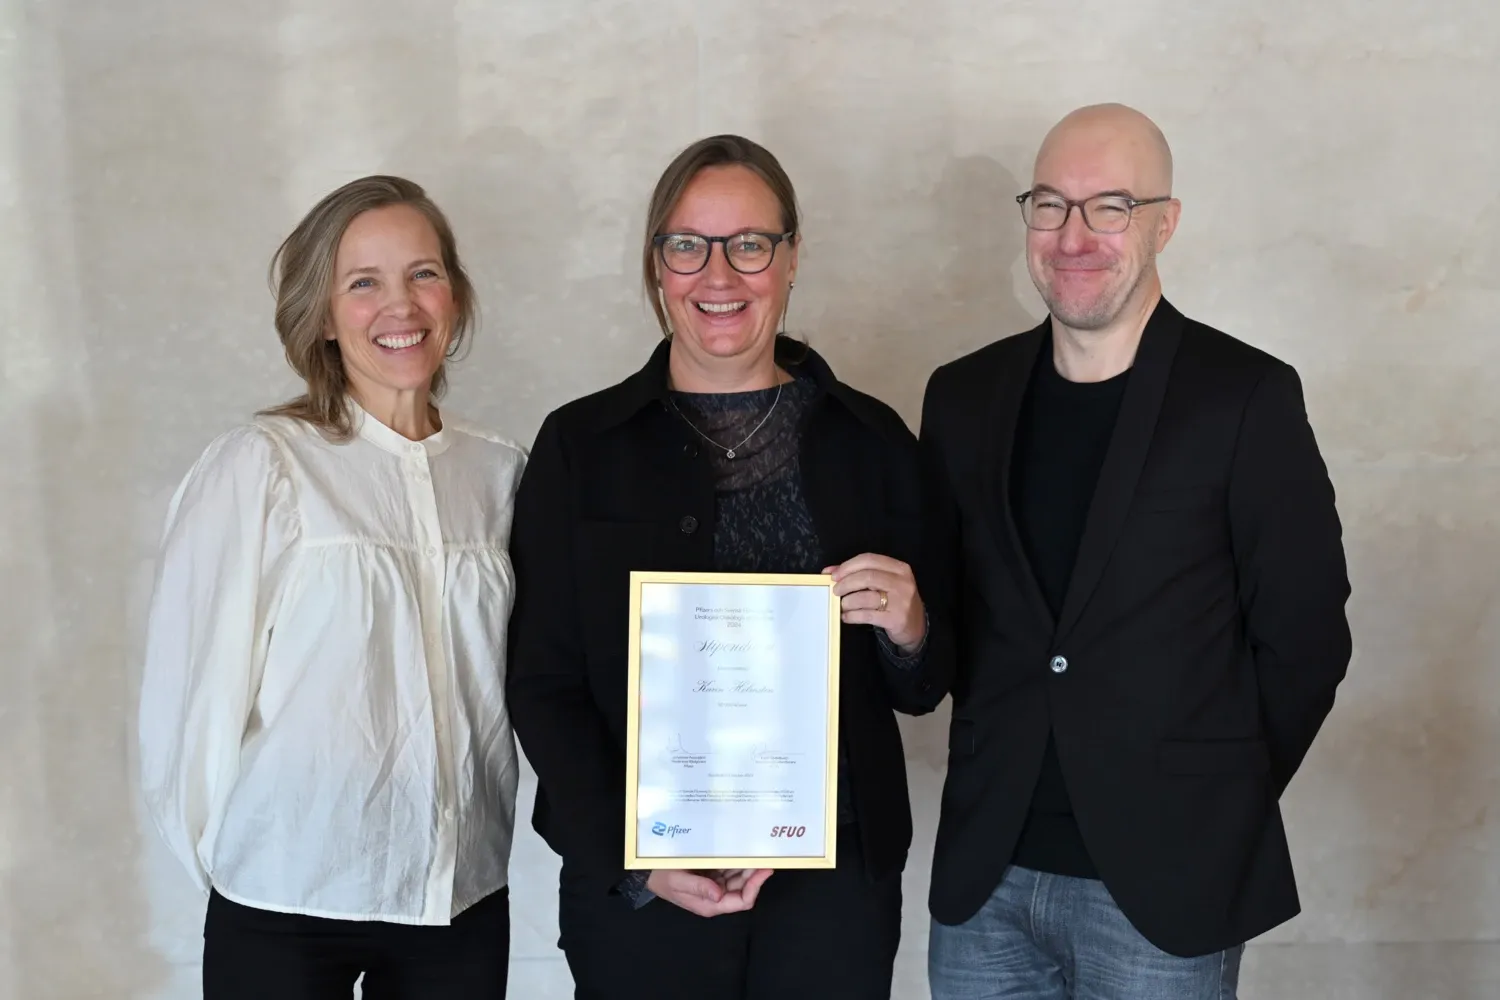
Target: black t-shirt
1061, 440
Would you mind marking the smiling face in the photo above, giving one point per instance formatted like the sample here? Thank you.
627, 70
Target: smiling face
392, 305
1089, 279
718, 313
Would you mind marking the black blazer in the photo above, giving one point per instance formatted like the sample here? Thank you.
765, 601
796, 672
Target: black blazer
1197, 651
615, 483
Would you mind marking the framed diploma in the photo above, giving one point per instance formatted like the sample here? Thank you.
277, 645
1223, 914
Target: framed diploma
732, 726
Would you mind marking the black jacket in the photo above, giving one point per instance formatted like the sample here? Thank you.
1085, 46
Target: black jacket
1195, 657
615, 483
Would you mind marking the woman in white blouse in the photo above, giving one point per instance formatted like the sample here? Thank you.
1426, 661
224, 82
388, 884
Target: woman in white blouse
324, 739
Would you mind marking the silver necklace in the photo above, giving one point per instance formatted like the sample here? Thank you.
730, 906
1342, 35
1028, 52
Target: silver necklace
729, 452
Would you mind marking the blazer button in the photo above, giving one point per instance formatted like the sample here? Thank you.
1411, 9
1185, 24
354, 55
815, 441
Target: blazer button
690, 450
688, 524
1059, 664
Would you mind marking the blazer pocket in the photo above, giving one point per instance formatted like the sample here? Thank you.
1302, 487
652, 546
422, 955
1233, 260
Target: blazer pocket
1184, 498
1214, 757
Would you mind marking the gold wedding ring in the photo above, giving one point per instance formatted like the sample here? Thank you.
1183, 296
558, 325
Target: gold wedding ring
884, 600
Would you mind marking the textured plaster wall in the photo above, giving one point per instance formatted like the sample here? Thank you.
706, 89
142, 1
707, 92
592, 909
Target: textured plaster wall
1338, 163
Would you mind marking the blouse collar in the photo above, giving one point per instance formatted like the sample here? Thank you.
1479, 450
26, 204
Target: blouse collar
378, 434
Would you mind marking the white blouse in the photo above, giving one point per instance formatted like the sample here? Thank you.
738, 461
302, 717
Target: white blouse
322, 721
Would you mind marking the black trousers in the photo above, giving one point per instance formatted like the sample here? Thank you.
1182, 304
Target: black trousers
252, 954
812, 934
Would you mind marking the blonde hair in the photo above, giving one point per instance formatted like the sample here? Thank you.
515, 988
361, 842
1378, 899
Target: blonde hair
301, 275
715, 151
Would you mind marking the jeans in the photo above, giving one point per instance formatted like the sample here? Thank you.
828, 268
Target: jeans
1051, 937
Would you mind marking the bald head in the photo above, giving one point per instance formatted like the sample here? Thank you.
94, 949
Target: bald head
1117, 145
1098, 264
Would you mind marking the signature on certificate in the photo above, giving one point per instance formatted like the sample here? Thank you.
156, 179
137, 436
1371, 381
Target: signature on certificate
763, 754
676, 749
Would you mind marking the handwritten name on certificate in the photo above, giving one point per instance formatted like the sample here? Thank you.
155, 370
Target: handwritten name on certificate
736, 722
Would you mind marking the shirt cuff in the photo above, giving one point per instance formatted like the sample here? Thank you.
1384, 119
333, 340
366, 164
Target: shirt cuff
633, 888
894, 656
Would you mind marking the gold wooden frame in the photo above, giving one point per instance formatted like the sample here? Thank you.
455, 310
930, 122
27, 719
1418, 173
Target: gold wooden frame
828, 856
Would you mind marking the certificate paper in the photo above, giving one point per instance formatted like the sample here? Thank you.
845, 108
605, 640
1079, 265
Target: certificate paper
732, 733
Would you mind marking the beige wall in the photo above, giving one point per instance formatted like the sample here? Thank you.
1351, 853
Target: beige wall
1338, 163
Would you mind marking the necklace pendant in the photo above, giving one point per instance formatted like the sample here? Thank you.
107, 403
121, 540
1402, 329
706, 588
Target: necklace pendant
729, 453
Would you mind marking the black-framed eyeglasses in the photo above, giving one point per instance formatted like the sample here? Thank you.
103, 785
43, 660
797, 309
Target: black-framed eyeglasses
1103, 213
747, 253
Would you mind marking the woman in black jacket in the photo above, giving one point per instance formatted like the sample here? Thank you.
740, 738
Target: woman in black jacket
734, 449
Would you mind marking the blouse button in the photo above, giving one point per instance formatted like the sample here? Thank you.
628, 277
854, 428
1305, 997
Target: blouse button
421, 477
414, 448
688, 524
431, 551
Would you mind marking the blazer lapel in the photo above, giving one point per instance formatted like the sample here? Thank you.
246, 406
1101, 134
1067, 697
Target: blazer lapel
1004, 412
1128, 447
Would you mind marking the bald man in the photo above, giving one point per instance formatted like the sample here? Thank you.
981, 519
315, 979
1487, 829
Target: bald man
1134, 535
